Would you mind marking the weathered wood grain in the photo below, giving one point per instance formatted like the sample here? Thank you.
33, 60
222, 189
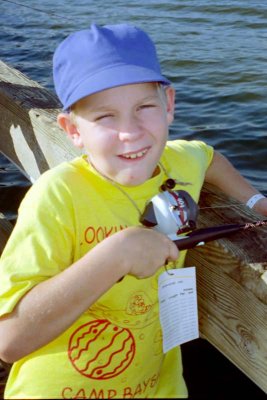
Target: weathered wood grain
30, 135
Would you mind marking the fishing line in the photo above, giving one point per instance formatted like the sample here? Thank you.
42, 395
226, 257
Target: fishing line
214, 207
175, 212
50, 13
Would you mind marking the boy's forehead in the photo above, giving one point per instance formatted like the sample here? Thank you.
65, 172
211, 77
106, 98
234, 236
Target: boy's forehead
133, 92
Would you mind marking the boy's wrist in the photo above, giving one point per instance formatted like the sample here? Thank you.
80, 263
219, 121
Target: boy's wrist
260, 206
253, 200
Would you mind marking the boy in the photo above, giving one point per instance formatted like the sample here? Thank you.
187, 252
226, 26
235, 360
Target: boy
79, 300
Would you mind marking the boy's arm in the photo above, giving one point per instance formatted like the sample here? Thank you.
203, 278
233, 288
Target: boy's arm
225, 177
54, 305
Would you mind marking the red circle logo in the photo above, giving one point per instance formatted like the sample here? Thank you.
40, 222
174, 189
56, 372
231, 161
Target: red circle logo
101, 350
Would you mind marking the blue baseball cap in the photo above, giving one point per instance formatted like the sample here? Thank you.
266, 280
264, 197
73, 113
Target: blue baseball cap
99, 58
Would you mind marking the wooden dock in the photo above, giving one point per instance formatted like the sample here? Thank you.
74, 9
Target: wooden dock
231, 273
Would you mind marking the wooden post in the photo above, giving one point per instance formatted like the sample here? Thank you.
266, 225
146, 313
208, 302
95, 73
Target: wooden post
231, 273
232, 287
30, 136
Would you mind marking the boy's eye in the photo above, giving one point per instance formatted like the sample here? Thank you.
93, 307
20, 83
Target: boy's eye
144, 106
101, 117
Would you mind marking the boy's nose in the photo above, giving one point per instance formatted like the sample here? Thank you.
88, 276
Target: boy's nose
130, 130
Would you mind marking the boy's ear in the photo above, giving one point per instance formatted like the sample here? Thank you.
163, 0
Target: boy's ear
65, 122
170, 97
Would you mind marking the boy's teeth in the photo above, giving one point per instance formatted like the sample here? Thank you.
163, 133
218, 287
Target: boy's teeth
135, 155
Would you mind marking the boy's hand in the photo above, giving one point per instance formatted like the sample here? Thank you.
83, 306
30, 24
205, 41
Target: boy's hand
141, 251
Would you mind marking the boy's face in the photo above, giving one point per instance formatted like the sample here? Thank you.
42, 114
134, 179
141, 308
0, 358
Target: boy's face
123, 130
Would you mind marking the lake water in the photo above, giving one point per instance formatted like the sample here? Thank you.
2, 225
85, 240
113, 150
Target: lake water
214, 52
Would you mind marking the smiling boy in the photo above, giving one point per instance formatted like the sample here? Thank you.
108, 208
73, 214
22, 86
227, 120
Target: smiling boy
128, 128
79, 275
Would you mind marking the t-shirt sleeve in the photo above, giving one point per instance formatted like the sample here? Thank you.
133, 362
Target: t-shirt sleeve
199, 151
189, 161
41, 244
207, 151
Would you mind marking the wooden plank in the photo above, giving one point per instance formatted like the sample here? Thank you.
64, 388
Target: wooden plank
232, 286
230, 316
231, 273
29, 132
248, 247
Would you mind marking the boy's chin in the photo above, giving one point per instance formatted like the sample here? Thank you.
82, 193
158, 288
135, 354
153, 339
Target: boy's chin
131, 180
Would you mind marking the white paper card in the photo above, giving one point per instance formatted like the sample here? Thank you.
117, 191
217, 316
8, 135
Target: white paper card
178, 307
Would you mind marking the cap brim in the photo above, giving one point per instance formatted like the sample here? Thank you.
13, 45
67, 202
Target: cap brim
113, 77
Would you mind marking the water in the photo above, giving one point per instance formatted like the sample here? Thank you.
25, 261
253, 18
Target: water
214, 52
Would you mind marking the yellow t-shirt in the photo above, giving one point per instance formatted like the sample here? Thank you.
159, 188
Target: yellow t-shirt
114, 349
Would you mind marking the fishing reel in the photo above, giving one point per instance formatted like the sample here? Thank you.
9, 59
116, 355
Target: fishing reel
175, 212
171, 212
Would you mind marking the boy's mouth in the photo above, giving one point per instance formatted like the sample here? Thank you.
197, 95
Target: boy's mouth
133, 156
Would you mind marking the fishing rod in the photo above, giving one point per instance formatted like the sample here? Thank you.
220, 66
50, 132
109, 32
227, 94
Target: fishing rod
204, 235
175, 213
